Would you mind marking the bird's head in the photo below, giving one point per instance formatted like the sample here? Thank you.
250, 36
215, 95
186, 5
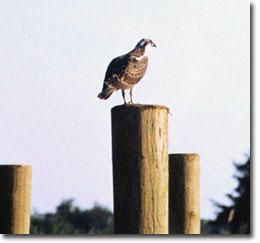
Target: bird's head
142, 44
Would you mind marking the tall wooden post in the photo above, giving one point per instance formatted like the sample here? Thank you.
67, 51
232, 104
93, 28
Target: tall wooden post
140, 169
184, 194
15, 199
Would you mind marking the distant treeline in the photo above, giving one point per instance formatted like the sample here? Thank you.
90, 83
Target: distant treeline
69, 219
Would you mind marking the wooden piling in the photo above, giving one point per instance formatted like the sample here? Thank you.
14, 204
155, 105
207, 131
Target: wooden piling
184, 194
15, 199
140, 169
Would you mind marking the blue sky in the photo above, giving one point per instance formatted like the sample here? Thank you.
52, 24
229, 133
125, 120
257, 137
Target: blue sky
53, 57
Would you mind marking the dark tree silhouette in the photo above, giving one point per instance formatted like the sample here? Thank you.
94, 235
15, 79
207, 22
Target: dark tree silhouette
235, 219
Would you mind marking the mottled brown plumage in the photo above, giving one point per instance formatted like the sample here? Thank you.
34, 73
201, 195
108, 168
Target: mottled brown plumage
125, 71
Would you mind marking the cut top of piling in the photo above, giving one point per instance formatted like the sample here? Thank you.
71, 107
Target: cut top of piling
15, 166
139, 106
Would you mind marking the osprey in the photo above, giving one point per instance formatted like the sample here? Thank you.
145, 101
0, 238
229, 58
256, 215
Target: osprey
125, 71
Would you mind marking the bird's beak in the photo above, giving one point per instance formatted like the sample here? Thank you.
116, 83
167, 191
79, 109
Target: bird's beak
153, 45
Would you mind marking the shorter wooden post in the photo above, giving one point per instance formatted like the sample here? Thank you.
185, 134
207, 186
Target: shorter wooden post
184, 194
15, 199
140, 169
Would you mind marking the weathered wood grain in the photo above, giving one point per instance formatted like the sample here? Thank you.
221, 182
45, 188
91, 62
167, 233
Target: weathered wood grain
140, 169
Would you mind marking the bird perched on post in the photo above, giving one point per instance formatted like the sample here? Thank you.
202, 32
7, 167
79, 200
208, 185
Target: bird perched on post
125, 71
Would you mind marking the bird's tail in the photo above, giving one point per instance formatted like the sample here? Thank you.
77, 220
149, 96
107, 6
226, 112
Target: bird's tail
105, 94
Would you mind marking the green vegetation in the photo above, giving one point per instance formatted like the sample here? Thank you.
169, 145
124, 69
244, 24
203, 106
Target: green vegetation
69, 219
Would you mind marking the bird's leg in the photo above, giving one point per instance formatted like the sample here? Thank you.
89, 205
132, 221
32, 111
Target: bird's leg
123, 94
131, 96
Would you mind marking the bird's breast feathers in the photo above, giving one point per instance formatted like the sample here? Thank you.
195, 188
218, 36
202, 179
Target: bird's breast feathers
137, 67
125, 71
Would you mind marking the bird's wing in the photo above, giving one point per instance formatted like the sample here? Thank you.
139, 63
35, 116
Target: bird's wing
116, 69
